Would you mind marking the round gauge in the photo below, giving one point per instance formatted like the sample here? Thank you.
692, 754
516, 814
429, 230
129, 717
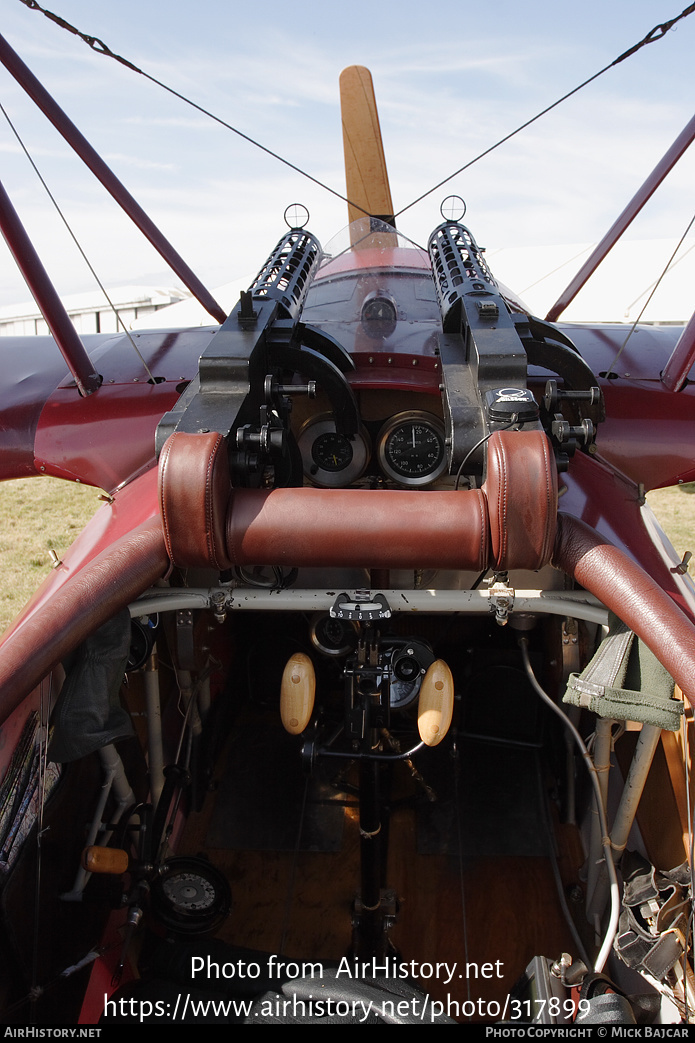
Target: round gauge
192, 897
189, 892
332, 460
331, 451
379, 315
411, 448
332, 637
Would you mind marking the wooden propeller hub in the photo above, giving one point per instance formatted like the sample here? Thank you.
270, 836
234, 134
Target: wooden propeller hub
297, 692
436, 703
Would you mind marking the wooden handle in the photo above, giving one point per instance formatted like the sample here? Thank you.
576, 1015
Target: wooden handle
297, 693
436, 703
105, 860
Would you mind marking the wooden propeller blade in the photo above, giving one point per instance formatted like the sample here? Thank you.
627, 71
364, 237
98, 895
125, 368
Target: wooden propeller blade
436, 703
297, 693
365, 165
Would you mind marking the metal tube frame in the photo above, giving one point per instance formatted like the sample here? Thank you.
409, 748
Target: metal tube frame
577, 604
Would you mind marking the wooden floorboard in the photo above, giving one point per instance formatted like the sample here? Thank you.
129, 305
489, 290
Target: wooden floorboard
500, 912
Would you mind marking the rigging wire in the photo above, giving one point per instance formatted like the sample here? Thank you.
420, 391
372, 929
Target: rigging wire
101, 48
654, 34
657, 33
119, 320
655, 287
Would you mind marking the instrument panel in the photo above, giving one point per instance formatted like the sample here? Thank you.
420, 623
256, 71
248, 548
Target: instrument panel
407, 449
331, 460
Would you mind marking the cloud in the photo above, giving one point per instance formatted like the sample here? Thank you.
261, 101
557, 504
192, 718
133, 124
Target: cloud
137, 161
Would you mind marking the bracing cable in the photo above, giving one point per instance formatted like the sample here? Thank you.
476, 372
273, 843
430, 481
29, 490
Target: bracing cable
657, 33
655, 287
119, 320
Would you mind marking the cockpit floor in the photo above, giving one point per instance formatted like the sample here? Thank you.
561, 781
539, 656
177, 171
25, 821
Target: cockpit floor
470, 905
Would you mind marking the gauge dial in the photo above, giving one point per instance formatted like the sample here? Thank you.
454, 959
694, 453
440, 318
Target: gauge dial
192, 897
379, 315
331, 460
411, 448
331, 451
332, 637
190, 892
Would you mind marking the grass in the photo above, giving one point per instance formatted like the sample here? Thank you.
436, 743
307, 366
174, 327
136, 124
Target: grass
675, 512
40, 515
37, 516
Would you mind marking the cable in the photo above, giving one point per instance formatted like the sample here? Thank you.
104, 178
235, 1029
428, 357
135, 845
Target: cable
654, 289
552, 857
661, 30
657, 33
119, 320
513, 421
605, 839
101, 48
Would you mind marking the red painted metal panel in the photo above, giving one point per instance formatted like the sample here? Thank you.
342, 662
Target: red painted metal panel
103, 440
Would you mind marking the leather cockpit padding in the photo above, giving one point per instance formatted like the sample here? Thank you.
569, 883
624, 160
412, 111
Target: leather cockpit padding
194, 490
637, 599
508, 524
358, 527
521, 490
106, 584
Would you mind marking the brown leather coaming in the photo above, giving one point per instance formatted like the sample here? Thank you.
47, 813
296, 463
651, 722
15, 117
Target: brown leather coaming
359, 527
521, 491
194, 490
626, 589
509, 523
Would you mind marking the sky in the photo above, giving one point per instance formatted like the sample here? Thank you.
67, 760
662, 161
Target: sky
451, 78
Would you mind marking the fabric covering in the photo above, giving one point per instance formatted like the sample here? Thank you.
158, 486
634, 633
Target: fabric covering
626, 682
88, 714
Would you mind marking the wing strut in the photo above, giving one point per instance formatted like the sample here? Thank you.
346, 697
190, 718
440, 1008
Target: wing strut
675, 373
14, 64
45, 295
630, 212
